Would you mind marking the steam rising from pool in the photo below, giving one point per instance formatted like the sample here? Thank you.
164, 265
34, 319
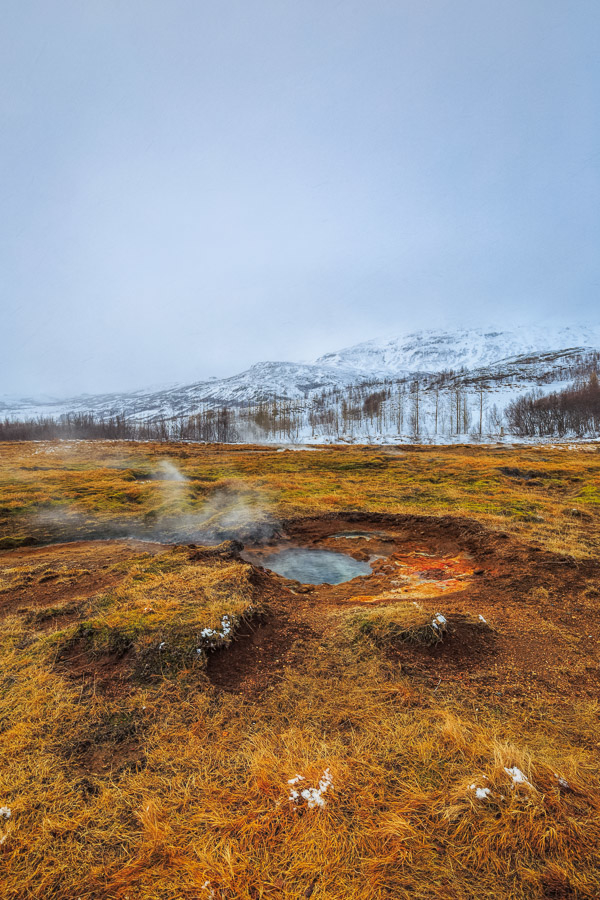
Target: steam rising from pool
175, 514
315, 566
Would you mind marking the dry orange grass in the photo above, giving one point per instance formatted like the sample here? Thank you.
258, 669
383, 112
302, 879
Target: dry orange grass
156, 786
211, 803
550, 493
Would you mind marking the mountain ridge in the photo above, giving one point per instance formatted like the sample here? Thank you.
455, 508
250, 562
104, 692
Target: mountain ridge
515, 358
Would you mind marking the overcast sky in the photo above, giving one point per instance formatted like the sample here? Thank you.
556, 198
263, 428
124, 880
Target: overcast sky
188, 187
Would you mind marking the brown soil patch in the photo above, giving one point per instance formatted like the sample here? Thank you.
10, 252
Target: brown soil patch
53, 575
103, 673
108, 747
108, 759
261, 650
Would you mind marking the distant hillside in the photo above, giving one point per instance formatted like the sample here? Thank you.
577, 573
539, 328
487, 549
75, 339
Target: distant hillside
416, 379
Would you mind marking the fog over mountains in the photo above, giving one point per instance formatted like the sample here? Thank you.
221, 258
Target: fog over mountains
500, 364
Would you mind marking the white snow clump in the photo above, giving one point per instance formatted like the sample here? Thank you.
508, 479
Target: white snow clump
214, 635
313, 796
439, 622
480, 792
517, 776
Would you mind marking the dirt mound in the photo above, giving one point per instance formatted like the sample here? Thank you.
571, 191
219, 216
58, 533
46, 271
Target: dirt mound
466, 646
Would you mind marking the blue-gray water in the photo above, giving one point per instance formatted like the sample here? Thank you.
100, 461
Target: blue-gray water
315, 566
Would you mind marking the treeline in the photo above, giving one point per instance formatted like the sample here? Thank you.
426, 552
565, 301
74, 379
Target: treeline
211, 426
361, 412
573, 411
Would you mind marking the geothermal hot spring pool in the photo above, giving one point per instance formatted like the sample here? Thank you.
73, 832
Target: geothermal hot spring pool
389, 565
315, 566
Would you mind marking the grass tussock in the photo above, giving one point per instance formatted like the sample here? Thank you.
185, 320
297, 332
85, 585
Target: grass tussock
400, 623
166, 614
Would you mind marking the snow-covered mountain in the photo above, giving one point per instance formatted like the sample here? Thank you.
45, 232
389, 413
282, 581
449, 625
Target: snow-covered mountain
506, 362
472, 349
262, 382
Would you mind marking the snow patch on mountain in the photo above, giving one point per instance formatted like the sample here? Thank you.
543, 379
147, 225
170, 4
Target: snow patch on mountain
475, 348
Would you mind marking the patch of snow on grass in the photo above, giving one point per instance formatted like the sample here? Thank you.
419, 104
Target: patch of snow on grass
225, 629
313, 796
517, 776
481, 619
5, 812
482, 793
216, 636
439, 622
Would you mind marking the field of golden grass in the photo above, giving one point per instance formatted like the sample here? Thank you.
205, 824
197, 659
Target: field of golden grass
158, 702
550, 494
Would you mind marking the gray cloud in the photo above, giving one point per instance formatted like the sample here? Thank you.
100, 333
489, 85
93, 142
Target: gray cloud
190, 187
